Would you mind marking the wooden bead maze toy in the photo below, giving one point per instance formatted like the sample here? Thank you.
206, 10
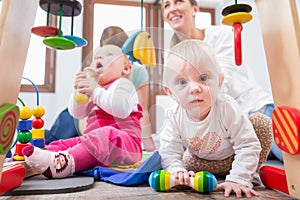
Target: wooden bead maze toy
30, 131
24, 134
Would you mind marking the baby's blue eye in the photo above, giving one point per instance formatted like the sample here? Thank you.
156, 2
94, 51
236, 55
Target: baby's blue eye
182, 82
203, 77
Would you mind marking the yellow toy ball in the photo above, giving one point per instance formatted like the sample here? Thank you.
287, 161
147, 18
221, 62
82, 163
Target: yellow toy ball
81, 98
38, 111
25, 113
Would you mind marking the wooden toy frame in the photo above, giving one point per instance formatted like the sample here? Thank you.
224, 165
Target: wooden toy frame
281, 35
283, 63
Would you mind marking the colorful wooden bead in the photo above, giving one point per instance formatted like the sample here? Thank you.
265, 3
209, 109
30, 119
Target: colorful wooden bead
24, 136
38, 111
24, 125
37, 123
25, 113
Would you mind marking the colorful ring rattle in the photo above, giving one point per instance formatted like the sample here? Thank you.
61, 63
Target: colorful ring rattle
162, 180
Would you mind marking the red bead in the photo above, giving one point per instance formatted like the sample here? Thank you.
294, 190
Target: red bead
37, 123
19, 148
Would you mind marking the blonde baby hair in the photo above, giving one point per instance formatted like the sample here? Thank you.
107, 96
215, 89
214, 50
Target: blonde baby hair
195, 52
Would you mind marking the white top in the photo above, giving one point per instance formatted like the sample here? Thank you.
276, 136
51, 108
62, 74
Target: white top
224, 132
239, 81
119, 100
139, 75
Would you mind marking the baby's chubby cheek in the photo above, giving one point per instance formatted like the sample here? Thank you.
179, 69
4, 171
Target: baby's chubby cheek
99, 79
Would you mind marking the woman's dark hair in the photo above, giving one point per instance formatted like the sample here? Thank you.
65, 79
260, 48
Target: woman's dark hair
113, 35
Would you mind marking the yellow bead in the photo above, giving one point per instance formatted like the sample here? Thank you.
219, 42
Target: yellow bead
19, 158
81, 98
25, 113
38, 111
38, 133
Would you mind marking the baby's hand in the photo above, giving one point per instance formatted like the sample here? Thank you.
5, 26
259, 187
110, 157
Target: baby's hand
83, 84
79, 77
238, 189
184, 177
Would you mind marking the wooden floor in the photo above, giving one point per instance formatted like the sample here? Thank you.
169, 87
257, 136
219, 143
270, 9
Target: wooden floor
102, 190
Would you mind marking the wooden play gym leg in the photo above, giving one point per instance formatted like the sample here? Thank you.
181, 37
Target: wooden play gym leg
14, 43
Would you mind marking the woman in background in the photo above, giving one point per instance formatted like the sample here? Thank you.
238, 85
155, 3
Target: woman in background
238, 82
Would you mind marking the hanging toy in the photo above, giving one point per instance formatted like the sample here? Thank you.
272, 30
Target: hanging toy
30, 131
235, 15
45, 31
140, 47
53, 36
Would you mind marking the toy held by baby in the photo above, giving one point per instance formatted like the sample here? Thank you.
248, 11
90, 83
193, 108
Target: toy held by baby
202, 182
91, 74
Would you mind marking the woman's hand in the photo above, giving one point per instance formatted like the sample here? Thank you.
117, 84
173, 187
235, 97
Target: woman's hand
236, 188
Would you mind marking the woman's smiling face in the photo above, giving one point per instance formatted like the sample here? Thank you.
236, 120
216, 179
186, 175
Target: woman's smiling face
179, 13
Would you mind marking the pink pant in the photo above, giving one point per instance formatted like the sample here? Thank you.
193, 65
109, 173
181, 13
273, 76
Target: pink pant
103, 146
